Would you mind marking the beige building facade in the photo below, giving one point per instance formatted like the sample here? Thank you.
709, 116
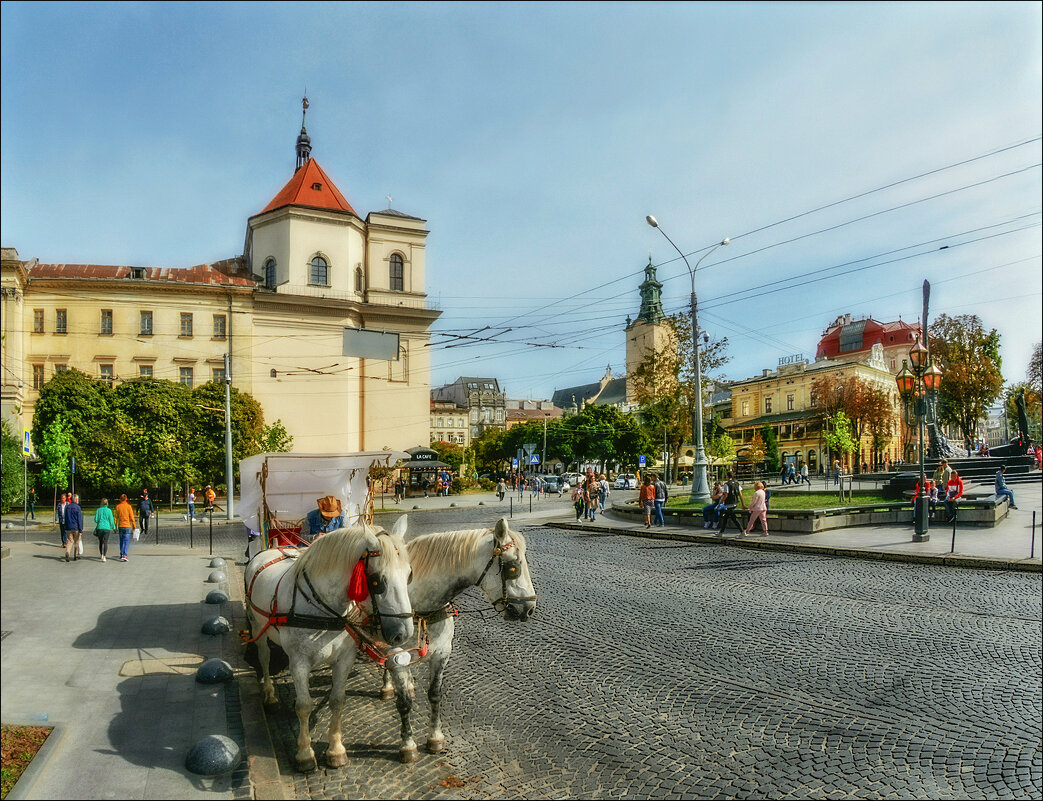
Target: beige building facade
311, 268
782, 398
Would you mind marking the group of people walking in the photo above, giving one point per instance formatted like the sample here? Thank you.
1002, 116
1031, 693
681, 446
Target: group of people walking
122, 520
589, 497
727, 504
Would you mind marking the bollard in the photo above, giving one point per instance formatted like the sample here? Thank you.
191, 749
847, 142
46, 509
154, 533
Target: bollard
157, 526
211, 515
512, 507
191, 543
530, 503
1032, 547
953, 548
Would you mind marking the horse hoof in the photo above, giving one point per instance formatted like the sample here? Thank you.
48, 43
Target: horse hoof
337, 760
387, 694
306, 765
409, 755
435, 746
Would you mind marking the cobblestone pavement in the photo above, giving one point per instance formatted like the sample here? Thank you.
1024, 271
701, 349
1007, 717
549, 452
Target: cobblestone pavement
656, 669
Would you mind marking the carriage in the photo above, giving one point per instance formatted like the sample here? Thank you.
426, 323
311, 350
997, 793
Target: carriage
279, 489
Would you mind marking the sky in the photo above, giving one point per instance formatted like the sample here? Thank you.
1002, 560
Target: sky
850, 152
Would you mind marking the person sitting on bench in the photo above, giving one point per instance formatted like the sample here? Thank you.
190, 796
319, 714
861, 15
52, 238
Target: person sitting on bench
1002, 490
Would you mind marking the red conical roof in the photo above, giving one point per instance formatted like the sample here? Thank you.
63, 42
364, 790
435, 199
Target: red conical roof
311, 187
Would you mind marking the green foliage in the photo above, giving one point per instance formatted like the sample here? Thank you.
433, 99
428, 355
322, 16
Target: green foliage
461, 483
275, 439
488, 449
839, 436
486, 484
450, 453
156, 432
54, 448
11, 478
208, 435
721, 447
772, 461
971, 369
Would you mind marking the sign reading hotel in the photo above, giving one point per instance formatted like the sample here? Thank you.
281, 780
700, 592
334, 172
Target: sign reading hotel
796, 358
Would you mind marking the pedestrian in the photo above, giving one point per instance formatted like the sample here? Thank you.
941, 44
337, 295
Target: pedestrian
125, 526
31, 501
536, 486
941, 474
577, 500
930, 492
784, 475
209, 499
792, 473
73, 528
145, 512
953, 491
836, 472
733, 501
591, 494
191, 501
1039, 457
1002, 491
104, 525
603, 491
758, 510
647, 496
59, 515
501, 489
804, 474
661, 494
712, 510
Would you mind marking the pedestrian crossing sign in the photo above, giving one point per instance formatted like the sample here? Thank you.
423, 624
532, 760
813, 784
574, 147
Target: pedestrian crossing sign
534, 459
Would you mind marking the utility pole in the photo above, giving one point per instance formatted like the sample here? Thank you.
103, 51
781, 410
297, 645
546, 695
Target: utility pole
229, 475
543, 456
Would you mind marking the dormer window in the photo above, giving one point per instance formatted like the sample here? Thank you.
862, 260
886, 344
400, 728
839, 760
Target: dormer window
137, 272
317, 186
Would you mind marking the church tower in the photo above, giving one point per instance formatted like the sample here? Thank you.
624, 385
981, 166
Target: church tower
651, 334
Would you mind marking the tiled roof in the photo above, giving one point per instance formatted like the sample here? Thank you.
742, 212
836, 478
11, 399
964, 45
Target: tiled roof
394, 213
776, 419
534, 414
302, 191
200, 274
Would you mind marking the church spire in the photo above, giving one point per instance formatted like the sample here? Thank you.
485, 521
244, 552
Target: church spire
303, 140
651, 296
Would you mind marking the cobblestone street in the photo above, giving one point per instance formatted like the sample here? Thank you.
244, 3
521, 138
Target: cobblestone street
658, 669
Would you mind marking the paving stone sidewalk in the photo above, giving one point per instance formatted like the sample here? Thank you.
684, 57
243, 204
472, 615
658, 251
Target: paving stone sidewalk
108, 651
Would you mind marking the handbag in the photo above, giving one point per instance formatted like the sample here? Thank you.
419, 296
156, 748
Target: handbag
79, 547
137, 534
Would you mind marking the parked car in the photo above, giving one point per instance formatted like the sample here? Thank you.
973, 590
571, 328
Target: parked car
626, 481
552, 484
574, 479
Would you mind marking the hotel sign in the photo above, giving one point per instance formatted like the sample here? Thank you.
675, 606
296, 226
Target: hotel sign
796, 358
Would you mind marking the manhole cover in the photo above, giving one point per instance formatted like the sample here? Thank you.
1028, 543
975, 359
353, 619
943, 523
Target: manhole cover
169, 665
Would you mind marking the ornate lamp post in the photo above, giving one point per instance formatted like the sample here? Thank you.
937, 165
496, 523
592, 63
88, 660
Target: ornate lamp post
918, 389
700, 488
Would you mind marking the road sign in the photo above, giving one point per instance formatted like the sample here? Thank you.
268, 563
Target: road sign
641, 460
27, 445
514, 462
534, 459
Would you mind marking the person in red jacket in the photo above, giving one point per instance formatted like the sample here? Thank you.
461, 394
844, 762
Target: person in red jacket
930, 491
953, 490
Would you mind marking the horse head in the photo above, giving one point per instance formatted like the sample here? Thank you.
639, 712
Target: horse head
388, 573
511, 585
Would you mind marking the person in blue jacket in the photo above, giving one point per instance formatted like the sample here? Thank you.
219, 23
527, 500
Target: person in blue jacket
73, 528
327, 517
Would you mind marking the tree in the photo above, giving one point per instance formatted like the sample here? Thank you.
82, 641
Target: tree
839, 436
158, 432
11, 478
54, 449
721, 447
971, 369
772, 460
1033, 411
869, 409
208, 430
275, 439
450, 453
1035, 371
754, 452
488, 450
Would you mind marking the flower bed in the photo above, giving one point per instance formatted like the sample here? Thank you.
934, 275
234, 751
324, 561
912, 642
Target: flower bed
18, 746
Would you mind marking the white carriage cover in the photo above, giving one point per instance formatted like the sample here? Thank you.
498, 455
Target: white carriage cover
294, 482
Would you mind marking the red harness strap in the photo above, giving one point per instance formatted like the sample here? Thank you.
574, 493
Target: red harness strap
274, 618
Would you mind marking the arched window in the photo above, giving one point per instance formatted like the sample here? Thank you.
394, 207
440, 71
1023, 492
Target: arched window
360, 281
269, 274
320, 272
397, 273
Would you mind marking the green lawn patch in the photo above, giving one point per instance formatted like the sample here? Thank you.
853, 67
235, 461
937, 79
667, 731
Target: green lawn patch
18, 746
801, 500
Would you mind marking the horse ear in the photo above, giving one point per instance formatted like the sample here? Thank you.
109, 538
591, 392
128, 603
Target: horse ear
399, 529
501, 529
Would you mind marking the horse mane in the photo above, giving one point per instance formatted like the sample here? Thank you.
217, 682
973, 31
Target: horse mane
451, 551
338, 551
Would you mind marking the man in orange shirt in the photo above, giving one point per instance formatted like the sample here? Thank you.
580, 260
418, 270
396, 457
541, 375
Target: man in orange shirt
124, 525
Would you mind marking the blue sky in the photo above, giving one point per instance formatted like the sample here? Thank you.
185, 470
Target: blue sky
535, 138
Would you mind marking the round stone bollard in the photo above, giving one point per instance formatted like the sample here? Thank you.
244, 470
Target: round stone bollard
216, 577
216, 597
214, 671
217, 625
217, 561
213, 755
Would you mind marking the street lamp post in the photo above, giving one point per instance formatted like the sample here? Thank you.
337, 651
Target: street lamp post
700, 489
918, 388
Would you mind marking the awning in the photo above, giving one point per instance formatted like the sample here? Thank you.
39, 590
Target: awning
425, 464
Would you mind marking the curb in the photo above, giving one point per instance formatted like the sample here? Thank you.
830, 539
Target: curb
266, 782
948, 560
38, 764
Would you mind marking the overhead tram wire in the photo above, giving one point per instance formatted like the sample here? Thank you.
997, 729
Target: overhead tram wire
798, 216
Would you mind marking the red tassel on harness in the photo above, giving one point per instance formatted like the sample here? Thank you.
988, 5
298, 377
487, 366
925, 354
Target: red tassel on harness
358, 587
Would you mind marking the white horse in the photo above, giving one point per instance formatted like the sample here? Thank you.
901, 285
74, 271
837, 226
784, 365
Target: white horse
298, 600
444, 565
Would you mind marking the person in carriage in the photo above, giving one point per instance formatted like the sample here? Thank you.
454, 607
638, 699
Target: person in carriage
328, 517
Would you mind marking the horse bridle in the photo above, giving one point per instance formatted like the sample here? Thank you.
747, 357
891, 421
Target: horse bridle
509, 571
377, 586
